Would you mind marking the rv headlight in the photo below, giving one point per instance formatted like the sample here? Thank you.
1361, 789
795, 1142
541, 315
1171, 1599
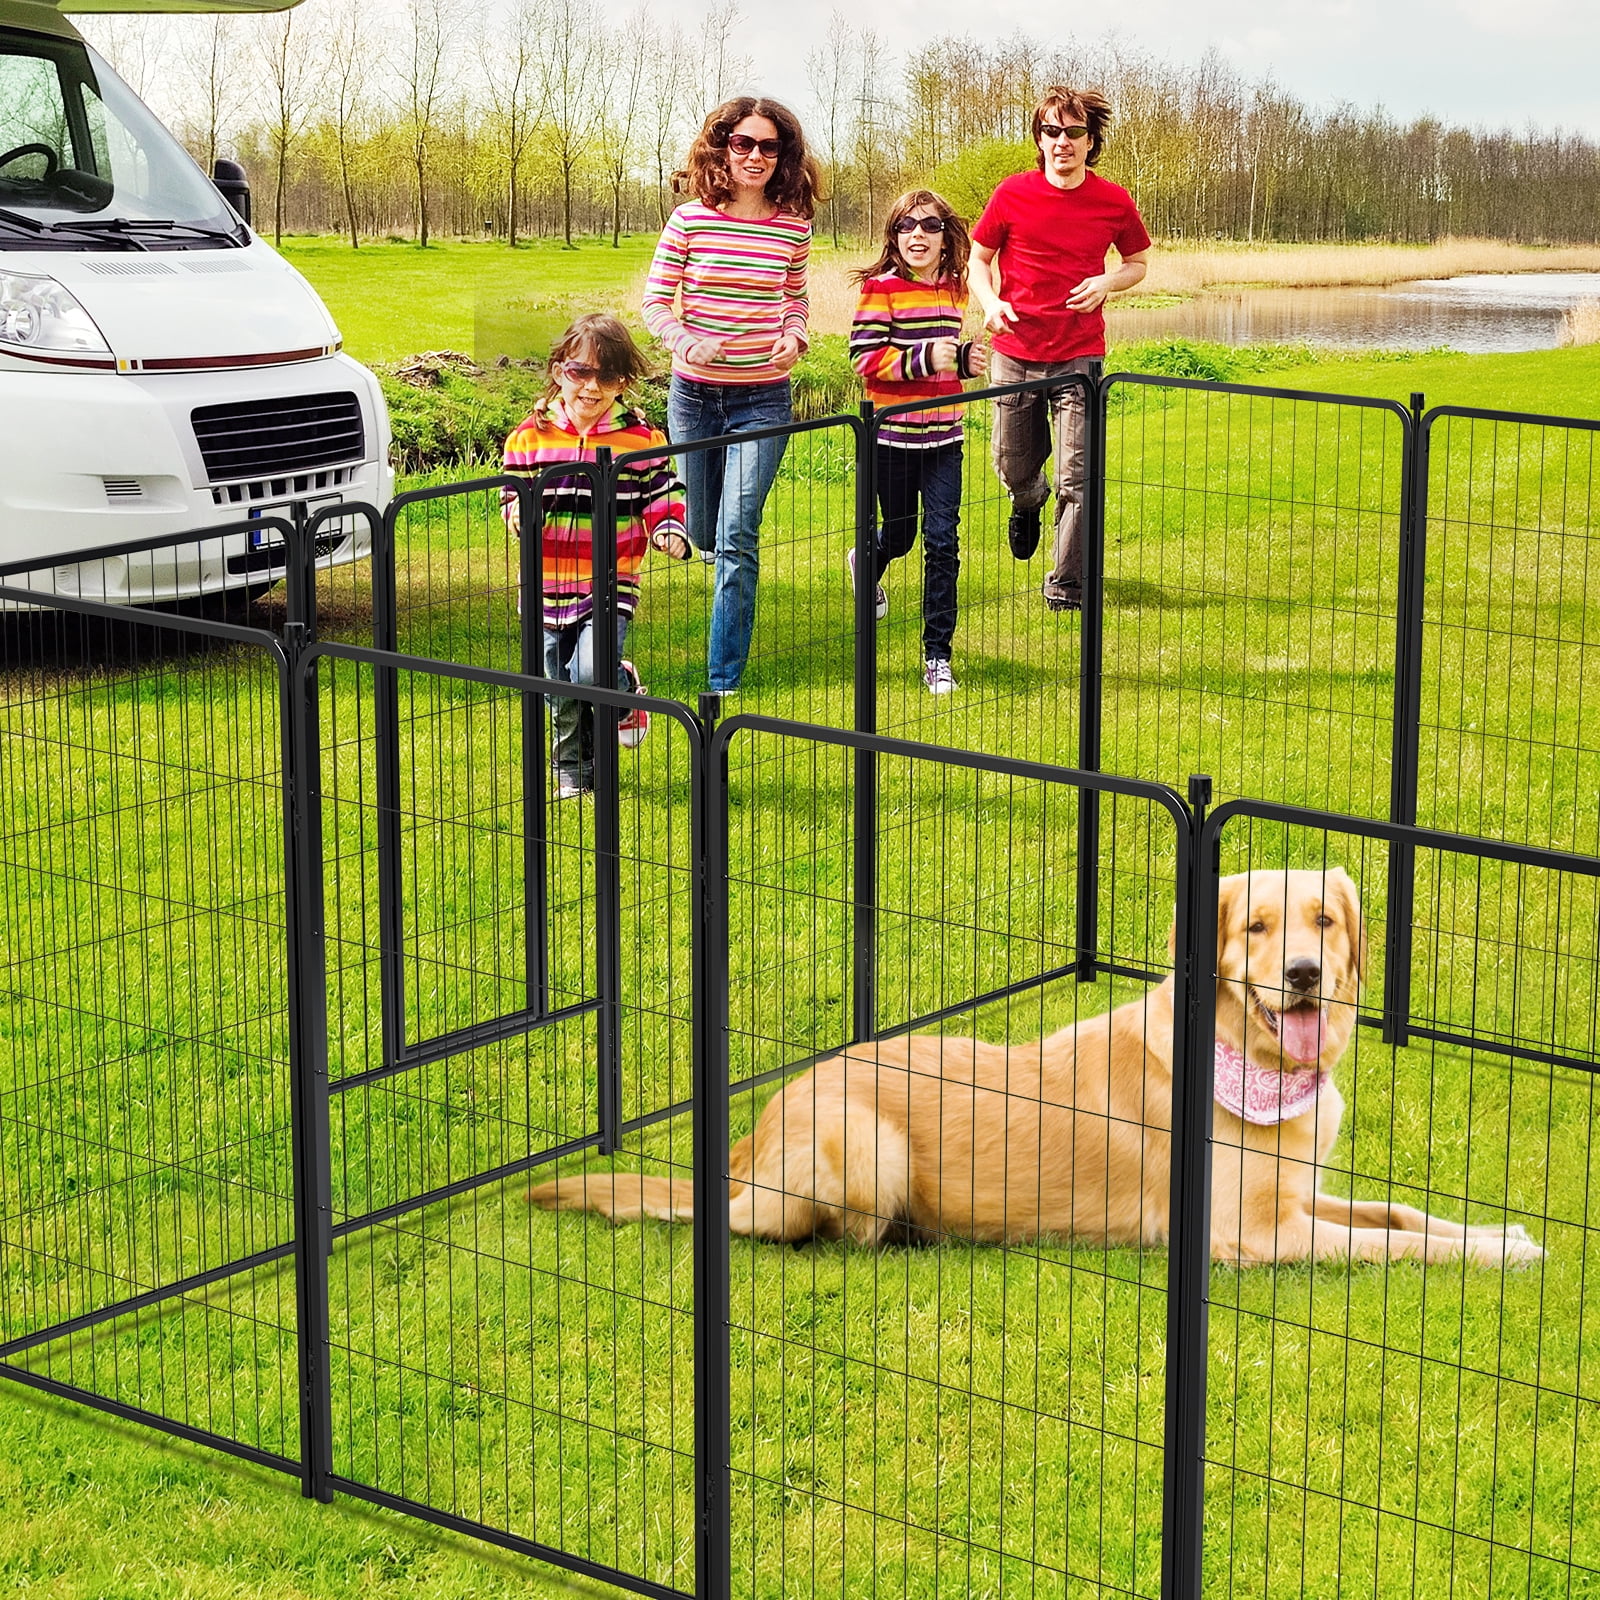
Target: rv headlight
39, 314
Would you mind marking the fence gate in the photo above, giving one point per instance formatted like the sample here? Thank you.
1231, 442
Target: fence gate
492, 1367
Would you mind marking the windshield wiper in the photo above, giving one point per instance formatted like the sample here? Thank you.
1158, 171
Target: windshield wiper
49, 230
18, 220
131, 226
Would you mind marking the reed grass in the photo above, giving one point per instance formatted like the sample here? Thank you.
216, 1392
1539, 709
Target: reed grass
1581, 325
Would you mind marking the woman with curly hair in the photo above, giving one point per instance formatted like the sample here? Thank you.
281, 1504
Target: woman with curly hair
727, 296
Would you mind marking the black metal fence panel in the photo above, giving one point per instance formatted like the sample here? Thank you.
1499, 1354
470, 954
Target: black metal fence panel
1405, 1406
1510, 648
147, 1221
1253, 544
493, 1367
958, 1386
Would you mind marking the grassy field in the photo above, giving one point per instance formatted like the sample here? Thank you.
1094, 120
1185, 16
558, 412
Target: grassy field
895, 1414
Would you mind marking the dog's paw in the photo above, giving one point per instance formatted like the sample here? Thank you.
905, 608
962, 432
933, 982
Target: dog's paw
1509, 1252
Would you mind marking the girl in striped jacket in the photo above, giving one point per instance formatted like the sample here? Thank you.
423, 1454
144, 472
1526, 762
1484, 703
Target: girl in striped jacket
579, 413
906, 343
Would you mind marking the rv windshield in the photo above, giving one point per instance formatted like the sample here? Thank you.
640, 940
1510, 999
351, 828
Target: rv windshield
84, 164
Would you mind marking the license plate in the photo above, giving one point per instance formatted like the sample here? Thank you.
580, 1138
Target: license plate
286, 511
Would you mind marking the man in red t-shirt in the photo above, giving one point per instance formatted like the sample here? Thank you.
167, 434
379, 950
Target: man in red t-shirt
1038, 270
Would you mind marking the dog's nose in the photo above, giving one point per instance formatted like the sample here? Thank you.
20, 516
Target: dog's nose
1302, 974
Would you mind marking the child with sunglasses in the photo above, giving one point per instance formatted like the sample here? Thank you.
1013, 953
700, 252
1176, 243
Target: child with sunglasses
580, 412
906, 343
727, 295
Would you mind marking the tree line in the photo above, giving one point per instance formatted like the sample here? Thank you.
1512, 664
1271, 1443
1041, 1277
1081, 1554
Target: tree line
543, 117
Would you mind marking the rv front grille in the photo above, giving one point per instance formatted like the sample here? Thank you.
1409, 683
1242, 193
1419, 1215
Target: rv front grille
271, 438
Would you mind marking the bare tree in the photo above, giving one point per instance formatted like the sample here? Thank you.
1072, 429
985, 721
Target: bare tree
285, 49
430, 31
830, 73
356, 44
509, 53
138, 47
575, 83
631, 48
722, 67
669, 80
214, 89
875, 117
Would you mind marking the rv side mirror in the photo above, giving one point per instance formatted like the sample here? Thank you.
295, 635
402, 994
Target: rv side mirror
233, 186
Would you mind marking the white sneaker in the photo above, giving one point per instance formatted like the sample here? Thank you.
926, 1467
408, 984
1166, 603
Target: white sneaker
880, 601
938, 677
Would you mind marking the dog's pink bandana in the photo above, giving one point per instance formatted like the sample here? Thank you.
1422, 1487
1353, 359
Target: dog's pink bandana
1260, 1095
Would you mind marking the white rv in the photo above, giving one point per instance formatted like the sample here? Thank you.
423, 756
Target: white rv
161, 368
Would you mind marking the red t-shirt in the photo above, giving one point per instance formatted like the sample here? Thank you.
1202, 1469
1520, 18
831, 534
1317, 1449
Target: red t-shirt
1048, 241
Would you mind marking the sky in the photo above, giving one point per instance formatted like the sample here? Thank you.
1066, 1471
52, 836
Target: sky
1497, 63
1490, 63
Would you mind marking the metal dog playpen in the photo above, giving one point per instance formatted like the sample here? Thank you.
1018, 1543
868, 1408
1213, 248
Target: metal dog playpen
307, 972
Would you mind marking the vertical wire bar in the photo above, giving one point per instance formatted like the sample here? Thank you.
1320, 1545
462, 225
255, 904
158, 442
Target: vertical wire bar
1090, 676
864, 873
607, 802
535, 820
713, 1579
1189, 1215
1407, 725
386, 759
308, 1059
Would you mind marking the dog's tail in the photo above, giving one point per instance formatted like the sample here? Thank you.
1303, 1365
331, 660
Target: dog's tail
629, 1196
621, 1196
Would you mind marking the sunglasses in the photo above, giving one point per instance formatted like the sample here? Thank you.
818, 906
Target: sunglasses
582, 371
927, 224
742, 144
1053, 130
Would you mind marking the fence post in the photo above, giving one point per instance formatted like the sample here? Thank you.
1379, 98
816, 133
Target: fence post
1091, 637
1404, 755
712, 1403
308, 1039
864, 875
607, 804
1189, 1218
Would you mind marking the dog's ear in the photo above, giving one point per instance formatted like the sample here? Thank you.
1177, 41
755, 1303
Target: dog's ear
1230, 891
1344, 894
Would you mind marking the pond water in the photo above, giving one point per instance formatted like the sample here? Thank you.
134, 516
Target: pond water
1484, 312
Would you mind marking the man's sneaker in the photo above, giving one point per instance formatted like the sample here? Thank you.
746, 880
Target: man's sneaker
634, 724
1022, 532
938, 677
1063, 596
880, 600
569, 786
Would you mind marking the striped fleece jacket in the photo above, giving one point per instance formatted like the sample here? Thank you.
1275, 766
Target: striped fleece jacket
738, 280
649, 505
896, 323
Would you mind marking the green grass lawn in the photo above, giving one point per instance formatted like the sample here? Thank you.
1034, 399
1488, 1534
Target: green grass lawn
934, 1422
392, 300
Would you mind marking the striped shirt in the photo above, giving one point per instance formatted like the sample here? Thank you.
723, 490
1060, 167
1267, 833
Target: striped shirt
649, 504
737, 280
896, 324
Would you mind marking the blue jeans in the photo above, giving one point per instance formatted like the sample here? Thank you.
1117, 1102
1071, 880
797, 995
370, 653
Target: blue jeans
569, 658
726, 492
934, 478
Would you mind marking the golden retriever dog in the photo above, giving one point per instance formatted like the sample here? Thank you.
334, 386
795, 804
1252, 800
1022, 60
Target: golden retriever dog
1068, 1137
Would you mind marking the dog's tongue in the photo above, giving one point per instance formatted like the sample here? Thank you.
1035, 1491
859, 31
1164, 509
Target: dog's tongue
1301, 1032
